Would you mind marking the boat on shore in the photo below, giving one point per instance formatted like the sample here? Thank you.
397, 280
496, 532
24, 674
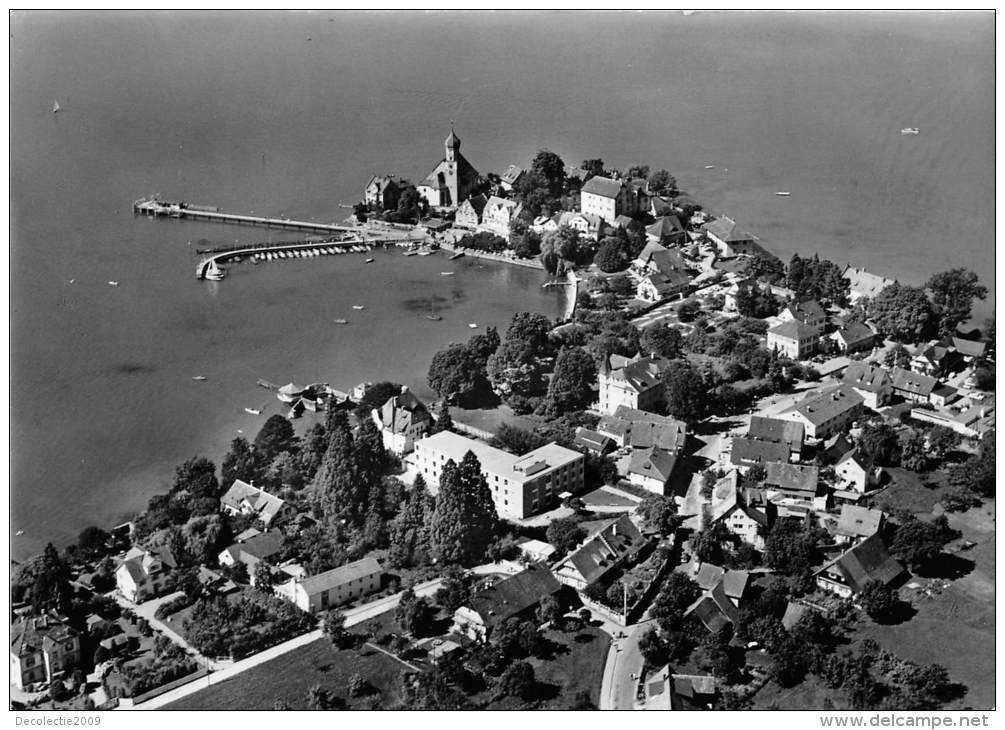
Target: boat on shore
457, 255
910, 130
411, 253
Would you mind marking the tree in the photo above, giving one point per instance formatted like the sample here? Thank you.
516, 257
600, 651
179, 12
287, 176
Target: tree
790, 547
977, 473
456, 590
444, 421
662, 181
897, 356
356, 686
677, 594
592, 167
610, 257
312, 451
197, 477
659, 514
879, 601
953, 293
527, 245
339, 486
284, 472
653, 648
686, 393
880, 443
918, 542
517, 638
239, 463
662, 340
565, 534
335, 629
551, 168
92, 541
275, 437
550, 612
456, 374
942, 441
789, 663
518, 681
58, 691
409, 533
903, 313
571, 385
914, 453
264, 577
51, 590
707, 544
465, 519
413, 614
320, 698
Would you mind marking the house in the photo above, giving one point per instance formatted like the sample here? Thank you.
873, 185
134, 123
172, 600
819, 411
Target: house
871, 382
382, 192
622, 221
748, 452
853, 337
635, 382
537, 551
848, 573
933, 359
333, 587
607, 198
594, 442
792, 480
714, 609
654, 258
809, 313
665, 691
518, 595
642, 429
521, 485
452, 180
545, 223
42, 648
666, 229
913, 386
402, 420
730, 240
855, 473
651, 469
778, 431
863, 284
251, 552
659, 287
142, 574
511, 177
247, 499
613, 544
497, 215
588, 224
748, 522
970, 350
827, 412
855, 522
834, 448
795, 339
469, 213
942, 395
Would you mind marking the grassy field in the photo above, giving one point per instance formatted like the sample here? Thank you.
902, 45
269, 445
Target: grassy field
289, 678
603, 498
908, 491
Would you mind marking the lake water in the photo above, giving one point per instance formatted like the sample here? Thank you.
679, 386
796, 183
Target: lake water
291, 113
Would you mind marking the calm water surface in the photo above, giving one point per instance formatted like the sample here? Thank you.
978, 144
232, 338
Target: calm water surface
290, 113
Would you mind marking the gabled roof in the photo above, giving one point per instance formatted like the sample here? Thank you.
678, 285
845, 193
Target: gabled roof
653, 463
402, 411
868, 560
640, 374
829, 404
734, 583
866, 284
864, 376
263, 504
724, 228
708, 576
912, 382
855, 332
623, 221
513, 595
604, 549
854, 455
33, 634
605, 187
793, 329
501, 203
665, 226
259, 547
592, 440
340, 576
856, 521
714, 609
969, 348
665, 436
746, 451
792, 477
477, 203
808, 310
793, 612
776, 430
511, 175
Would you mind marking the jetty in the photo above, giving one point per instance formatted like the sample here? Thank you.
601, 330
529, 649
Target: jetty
155, 208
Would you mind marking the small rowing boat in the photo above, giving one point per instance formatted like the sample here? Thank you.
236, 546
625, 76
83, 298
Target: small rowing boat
357, 306
783, 193
199, 377
446, 273
253, 411
340, 321
473, 325
369, 261
709, 167
113, 283
910, 130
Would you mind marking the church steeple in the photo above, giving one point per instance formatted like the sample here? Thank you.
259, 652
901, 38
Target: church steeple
452, 144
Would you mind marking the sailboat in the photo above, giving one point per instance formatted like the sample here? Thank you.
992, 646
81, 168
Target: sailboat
432, 312
214, 272
55, 107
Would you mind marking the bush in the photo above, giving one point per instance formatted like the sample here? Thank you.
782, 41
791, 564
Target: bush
58, 691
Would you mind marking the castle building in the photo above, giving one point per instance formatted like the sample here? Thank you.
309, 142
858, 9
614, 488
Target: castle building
452, 180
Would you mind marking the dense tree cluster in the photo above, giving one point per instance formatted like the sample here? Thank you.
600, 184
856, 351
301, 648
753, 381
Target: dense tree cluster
483, 241
464, 521
903, 313
817, 278
458, 373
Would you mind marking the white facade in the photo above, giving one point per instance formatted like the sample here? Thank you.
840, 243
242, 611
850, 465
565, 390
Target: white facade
334, 587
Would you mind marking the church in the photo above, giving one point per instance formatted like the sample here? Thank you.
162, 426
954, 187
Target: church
452, 180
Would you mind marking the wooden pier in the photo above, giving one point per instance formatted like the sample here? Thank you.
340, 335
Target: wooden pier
155, 208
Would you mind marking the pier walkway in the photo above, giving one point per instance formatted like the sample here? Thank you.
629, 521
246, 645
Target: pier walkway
160, 209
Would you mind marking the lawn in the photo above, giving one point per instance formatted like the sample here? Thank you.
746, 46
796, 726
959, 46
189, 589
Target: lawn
290, 676
603, 498
577, 666
908, 491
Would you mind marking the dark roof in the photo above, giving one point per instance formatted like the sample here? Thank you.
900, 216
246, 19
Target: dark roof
653, 463
969, 348
793, 329
725, 229
641, 374
912, 382
746, 451
856, 332
605, 548
776, 430
714, 609
827, 405
37, 633
866, 377
514, 595
792, 477
592, 440
869, 560
810, 309
340, 576
261, 546
401, 411
858, 521
477, 202
512, 174
667, 225
666, 436
603, 186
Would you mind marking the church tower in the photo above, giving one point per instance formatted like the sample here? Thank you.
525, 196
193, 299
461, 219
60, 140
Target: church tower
453, 145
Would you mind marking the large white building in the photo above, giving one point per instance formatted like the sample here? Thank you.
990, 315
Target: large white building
520, 485
401, 420
333, 587
635, 382
606, 198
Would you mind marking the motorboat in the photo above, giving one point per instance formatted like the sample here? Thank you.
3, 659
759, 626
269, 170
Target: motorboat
369, 261
783, 193
253, 411
340, 321
113, 283
446, 273
357, 306
457, 255
709, 167
200, 378
473, 325
910, 130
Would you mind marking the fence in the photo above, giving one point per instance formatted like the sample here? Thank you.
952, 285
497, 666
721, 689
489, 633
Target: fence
199, 674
